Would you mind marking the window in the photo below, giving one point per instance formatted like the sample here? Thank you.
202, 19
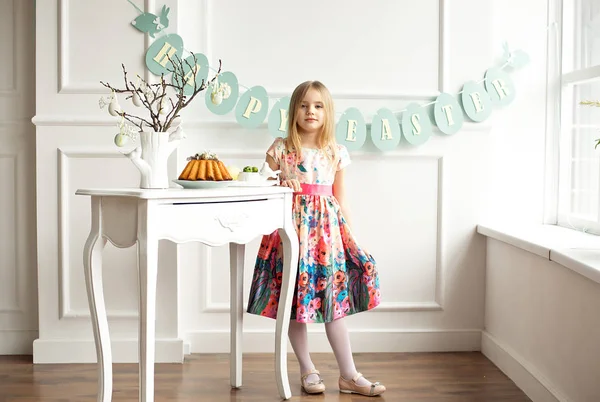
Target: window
578, 203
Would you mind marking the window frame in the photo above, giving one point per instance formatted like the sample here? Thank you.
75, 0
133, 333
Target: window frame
564, 21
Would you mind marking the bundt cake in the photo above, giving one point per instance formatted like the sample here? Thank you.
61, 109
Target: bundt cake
205, 166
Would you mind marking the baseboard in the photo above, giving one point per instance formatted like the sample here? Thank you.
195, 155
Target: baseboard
17, 342
84, 351
362, 341
520, 371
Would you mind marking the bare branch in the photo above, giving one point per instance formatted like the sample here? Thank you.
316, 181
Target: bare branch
128, 117
158, 93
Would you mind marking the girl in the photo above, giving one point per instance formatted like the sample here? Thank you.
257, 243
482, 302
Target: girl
336, 277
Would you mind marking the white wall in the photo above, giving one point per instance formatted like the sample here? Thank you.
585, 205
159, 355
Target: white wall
18, 307
385, 55
541, 321
541, 325
517, 138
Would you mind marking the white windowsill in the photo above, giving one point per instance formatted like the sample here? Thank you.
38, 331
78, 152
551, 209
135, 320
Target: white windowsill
575, 250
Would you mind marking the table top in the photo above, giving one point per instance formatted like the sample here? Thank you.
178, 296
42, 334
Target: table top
180, 193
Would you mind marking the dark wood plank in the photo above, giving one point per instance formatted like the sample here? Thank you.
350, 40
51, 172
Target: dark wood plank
422, 377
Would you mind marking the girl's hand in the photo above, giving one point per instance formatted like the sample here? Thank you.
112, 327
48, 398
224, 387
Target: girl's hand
294, 184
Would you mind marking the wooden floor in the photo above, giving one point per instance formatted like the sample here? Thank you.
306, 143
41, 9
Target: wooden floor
423, 377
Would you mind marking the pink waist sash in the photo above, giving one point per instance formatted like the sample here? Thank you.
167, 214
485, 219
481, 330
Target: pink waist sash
316, 189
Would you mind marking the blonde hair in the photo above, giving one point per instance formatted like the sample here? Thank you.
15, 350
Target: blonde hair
326, 139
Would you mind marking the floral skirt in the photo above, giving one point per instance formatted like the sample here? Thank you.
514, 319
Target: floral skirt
335, 277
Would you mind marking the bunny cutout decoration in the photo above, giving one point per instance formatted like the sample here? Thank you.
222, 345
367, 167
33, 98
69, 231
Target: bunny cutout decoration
153, 24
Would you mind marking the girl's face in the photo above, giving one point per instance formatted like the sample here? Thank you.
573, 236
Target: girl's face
311, 113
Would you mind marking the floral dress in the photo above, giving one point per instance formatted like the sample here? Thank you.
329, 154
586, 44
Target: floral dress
336, 277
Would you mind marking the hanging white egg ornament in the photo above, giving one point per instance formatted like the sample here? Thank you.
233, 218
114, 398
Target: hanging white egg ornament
114, 108
121, 140
135, 98
147, 91
162, 107
216, 98
226, 90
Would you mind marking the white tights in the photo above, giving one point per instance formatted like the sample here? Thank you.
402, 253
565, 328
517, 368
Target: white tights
338, 337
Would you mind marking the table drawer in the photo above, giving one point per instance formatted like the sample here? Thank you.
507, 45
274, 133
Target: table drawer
220, 222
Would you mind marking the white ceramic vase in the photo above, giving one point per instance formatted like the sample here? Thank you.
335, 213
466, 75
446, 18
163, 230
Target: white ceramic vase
151, 156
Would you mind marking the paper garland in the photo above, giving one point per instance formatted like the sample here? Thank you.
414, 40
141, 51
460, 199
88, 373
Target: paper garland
252, 108
228, 103
475, 101
448, 114
150, 23
351, 129
194, 65
278, 117
385, 131
164, 48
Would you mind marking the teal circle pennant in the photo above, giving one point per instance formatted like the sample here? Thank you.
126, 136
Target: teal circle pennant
385, 130
476, 102
252, 107
278, 118
164, 48
448, 114
416, 126
200, 71
351, 129
227, 104
499, 86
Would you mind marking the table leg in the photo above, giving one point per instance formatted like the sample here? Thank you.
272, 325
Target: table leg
92, 266
148, 270
289, 237
236, 257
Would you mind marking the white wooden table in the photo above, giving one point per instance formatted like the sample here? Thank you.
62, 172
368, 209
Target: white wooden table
214, 217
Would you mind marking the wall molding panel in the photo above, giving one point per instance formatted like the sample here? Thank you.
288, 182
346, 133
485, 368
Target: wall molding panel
65, 85
430, 266
443, 65
18, 268
210, 306
64, 191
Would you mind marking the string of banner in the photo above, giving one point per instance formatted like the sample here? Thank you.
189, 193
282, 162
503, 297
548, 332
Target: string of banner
476, 100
